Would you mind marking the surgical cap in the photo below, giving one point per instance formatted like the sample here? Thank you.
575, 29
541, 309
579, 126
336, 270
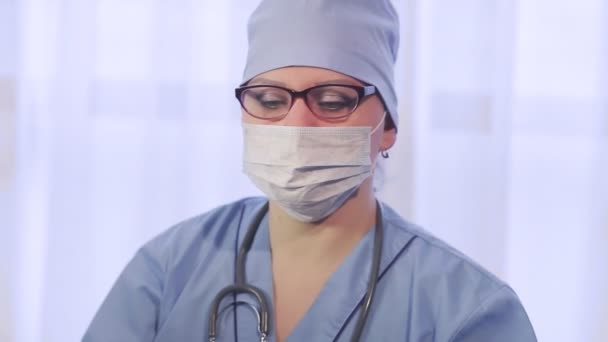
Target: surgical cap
358, 38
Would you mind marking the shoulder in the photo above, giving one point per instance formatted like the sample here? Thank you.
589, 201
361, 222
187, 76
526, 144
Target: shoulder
434, 255
464, 297
212, 230
145, 293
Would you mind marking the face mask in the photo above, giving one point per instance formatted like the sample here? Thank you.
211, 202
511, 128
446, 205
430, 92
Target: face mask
308, 171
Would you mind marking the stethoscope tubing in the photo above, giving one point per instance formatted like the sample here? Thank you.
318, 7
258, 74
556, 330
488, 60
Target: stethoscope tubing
373, 276
241, 286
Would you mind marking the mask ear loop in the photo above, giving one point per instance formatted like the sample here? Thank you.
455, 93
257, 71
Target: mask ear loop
378, 125
383, 153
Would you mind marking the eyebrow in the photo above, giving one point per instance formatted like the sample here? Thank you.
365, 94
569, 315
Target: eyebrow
265, 81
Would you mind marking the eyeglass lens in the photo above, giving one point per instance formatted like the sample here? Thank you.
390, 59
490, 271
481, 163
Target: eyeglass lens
326, 101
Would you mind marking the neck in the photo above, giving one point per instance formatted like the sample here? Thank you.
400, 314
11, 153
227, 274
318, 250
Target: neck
336, 234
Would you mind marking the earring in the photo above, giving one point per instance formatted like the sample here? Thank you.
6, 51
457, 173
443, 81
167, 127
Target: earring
384, 154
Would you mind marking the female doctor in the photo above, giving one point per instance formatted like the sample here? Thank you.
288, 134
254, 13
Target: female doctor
319, 259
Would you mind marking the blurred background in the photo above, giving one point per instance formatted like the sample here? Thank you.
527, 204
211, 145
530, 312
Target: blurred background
117, 120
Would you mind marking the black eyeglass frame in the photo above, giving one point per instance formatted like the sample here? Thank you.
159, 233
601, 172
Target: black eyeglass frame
362, 91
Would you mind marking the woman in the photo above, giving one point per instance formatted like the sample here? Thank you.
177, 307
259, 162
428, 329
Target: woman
326, 261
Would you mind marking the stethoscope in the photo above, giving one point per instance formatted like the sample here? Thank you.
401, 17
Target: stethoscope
262, 313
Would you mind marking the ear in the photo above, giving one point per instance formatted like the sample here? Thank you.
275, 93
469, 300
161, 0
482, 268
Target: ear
389, 136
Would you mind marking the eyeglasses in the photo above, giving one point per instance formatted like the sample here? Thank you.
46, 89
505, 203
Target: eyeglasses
328, 101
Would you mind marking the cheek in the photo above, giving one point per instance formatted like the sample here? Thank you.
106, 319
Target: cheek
248, 119
369, 113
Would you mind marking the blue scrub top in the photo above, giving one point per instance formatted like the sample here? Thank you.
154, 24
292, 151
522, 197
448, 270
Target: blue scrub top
427, 291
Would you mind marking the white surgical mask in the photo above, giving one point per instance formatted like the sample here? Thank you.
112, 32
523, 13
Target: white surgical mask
308, 171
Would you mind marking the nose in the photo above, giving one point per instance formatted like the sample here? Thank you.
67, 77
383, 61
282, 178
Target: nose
300, 115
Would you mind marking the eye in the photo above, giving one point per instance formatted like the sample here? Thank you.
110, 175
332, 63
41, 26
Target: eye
332, 101
271, 99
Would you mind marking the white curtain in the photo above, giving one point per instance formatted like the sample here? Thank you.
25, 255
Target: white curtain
117, 120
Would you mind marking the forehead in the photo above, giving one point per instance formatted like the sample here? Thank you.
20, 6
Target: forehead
298, 77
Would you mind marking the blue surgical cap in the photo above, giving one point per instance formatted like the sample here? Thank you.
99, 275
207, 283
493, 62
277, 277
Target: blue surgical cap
358, 38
